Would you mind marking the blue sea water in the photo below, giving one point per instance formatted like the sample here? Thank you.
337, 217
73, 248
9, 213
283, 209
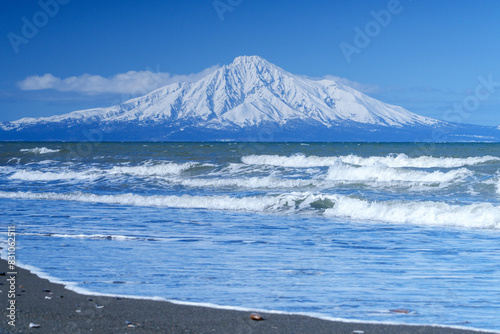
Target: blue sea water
343, 230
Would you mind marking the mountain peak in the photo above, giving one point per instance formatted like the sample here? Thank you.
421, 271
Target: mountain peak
249, 60
252, 64
250, 93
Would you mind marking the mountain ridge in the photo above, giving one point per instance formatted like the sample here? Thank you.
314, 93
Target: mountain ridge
236, 100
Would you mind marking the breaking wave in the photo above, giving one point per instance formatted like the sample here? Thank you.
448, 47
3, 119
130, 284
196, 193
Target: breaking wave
39, 150
382, 173
27, 175
268, 182
153, 170
89, 236
478, 215
398, 160
162, 169
376, 175
185, 201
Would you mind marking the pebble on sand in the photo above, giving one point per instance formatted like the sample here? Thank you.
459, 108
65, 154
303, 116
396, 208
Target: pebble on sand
256, 317
130, 324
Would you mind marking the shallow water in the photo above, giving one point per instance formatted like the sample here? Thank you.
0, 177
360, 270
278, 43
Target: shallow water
343, 230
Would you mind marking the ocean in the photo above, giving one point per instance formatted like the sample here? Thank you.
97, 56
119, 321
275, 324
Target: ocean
404, 233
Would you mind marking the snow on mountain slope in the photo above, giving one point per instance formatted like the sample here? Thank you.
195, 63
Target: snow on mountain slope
248, 92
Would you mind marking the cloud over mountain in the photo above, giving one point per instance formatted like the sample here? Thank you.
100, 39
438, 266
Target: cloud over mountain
132, 82
237, 101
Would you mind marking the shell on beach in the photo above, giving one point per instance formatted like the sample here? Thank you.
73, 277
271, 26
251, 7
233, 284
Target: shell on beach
256, 316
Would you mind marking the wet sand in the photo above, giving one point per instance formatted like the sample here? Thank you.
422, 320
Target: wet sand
58, 310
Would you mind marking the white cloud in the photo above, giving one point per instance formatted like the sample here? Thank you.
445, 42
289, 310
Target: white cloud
132, 82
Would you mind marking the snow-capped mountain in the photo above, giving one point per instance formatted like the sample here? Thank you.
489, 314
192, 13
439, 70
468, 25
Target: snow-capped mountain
235, 102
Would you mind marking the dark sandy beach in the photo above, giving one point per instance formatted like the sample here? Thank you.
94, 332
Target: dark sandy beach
58, 310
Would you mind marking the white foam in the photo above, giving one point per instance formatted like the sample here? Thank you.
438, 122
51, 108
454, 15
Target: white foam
39, 150
402, 160
162, 169
87, 236
28, 175
399, 160
185, 201
44, 162
382, 173
268, 182
480, 215
284, 202
297, 160
152, 170
7, 169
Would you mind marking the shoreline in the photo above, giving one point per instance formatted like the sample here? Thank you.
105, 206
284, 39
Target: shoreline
57, 309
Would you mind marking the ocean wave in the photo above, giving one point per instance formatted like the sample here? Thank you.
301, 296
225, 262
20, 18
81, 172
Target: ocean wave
398, 160
493, 181
297, 160
382, 173
88, 236
378, 176
185, 201
283, 202
14, 160
39, 150
477, 215
268, 182
167, 168
162, 169
30, 175
7, 169
402, 160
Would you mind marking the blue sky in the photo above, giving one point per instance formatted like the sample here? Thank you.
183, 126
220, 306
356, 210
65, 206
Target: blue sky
436, 58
